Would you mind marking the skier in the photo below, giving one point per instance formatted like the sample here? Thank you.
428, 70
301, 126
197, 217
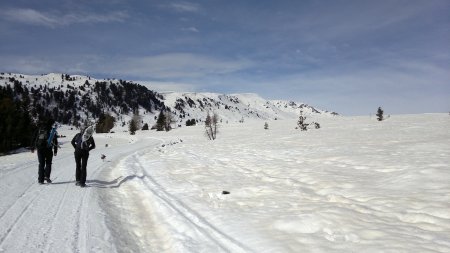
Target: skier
83, 142
44, 140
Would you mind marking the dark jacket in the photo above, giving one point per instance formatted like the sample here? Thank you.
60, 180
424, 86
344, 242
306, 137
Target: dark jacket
35, 141
77, 143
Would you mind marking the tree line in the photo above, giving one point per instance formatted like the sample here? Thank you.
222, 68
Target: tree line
22, 106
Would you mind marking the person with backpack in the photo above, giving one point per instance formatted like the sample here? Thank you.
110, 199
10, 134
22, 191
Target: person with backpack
83, 142
45, 141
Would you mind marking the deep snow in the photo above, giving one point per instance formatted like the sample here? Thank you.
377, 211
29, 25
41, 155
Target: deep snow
355, 185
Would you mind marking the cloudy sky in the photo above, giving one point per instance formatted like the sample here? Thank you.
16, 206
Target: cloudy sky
349, 56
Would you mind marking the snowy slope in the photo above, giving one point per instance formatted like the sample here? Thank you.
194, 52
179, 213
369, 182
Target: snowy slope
184, 106
235, 107
367, 186
85, 98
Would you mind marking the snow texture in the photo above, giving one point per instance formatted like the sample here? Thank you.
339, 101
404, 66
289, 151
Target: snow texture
354, 185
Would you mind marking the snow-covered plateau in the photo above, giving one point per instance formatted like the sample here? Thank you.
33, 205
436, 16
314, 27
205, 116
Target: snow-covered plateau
354, 185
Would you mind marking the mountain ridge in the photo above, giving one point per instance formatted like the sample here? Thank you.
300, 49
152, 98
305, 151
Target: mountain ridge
89, 97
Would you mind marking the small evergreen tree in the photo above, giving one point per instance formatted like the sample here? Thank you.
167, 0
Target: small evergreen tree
302, 122
266, 126
169, 120
190, 122
105, 123
160, 122
380, 114
132, 126
145, 127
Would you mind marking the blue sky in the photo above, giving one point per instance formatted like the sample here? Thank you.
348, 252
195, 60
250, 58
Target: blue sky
344, 56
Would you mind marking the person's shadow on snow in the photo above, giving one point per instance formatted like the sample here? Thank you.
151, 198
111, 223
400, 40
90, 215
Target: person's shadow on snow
101, 183
92, 183
112, 184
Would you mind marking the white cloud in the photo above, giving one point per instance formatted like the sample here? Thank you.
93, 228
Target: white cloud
117, 16
38, 18
178, 65
29, 16
190, 29
26, 65
171, 66
184, 7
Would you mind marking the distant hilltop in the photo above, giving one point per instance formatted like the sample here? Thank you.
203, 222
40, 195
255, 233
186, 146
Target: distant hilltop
75, 99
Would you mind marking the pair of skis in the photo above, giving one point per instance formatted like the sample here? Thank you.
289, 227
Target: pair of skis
51, 136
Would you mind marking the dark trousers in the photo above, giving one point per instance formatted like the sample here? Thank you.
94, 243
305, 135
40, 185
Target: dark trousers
45, 157
81, 158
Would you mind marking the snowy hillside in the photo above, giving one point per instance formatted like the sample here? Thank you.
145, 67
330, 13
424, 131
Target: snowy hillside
89, 97
235, 107
72, 100
367, 186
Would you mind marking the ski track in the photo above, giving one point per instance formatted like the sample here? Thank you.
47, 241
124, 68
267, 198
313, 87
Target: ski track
7, 172
190, 217
26, 190
21, 196
41, 224
52, 217
17, 219
51, 230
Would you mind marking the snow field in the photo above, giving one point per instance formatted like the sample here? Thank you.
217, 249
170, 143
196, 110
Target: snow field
354, 185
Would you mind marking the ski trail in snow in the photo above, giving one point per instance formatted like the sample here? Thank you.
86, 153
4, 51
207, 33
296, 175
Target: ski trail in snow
22, 194
81, 231
22, 168
41, 213
15, 170
15, 221
184, 214
57, 217
51, 229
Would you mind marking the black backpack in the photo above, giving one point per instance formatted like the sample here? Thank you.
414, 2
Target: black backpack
41, 141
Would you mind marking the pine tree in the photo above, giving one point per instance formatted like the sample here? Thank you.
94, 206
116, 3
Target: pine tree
161, 121
168, 121
190, 122
132, 127
302, 122
105, 123
380, 114
266, 126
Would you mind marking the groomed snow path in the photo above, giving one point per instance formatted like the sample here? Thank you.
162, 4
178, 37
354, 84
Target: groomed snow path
57, 217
